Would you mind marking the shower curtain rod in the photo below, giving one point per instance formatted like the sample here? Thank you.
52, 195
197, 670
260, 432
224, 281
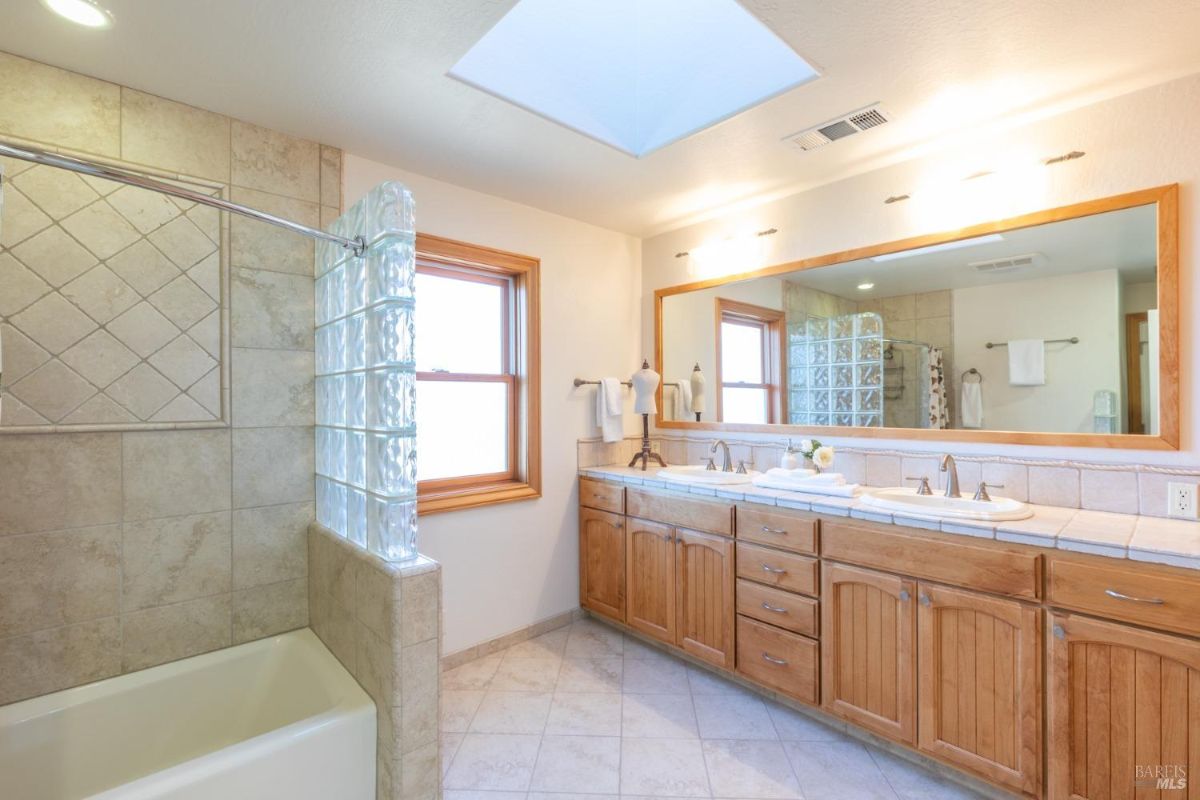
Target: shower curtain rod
96, 170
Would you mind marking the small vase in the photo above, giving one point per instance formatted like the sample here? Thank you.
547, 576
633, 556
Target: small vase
810, 464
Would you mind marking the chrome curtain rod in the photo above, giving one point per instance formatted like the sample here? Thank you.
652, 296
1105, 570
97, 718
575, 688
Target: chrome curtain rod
38, 156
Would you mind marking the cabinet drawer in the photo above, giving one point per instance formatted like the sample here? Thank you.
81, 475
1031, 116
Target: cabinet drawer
939, 557
778, 659
795, 531
604, 496
777, 568
684, 512
1086, 586
775, 607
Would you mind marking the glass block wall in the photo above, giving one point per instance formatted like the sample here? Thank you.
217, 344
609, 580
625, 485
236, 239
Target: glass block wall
836, 371
366, 455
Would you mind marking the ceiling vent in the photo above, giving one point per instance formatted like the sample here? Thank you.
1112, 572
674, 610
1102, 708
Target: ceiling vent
852, 123
1009, 264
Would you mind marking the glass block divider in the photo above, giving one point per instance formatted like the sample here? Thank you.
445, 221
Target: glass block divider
837, 356
366, 455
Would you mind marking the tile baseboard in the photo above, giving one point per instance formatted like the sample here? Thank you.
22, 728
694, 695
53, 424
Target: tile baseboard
460, 657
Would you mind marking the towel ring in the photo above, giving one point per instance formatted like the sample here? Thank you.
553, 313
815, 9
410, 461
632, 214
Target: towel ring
972, 371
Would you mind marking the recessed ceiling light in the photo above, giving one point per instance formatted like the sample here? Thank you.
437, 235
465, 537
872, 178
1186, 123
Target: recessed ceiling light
81, 12
866, 287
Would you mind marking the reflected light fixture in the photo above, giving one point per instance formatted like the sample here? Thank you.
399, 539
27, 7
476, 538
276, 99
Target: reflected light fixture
937, 248
81, 12
866, 287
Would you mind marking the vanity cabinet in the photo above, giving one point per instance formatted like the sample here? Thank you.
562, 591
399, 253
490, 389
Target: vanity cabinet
704, 583
868, 649
650, 577
979, 684
1123, 708
602, 563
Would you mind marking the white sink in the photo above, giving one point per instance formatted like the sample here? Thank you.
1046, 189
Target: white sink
700, 475
905, 499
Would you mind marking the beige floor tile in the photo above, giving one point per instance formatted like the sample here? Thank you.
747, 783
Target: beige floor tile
733, 717
663, 768
591, 675
458, 709
512, 712
481, 794
704, 682
658, 716
450, 743
580, 714
526, 675
655, 676
792, 726
837, 771
472, 675
590, 639
578, 764
493, 761
750, 769
548, 645
911, 782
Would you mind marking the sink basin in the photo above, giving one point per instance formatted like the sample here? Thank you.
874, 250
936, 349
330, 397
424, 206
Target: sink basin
699, 475
905, 499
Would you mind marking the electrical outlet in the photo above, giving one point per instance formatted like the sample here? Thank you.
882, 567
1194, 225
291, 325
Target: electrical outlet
1181, 500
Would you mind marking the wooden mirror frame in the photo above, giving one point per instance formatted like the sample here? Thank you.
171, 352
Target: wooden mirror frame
1166, 198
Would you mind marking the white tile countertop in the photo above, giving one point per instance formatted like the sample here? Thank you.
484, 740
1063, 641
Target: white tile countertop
1140, 538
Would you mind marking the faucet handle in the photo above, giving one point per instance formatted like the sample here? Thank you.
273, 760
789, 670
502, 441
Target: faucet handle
982, 492
923, 486
741, 468
711, 467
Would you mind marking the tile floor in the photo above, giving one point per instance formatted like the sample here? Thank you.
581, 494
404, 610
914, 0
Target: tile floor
585, 710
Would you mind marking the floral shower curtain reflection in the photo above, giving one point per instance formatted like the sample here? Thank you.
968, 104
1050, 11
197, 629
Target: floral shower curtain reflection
366, 459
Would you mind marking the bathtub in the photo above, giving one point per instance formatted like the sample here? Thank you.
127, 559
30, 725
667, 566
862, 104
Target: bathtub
276, 718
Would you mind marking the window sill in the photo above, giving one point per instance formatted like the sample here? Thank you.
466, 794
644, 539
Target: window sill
475, 496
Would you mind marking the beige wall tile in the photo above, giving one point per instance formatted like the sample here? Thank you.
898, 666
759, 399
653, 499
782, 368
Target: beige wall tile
1109, 490
377, 597
52, 105
268, 610
67, 481
420, 608
174, 136
1054, 486
169, 633
270, 544
170, 560
1013, 477
418, 700
275, 162
174, 473
883, 470
46, 661
419, 776
54, 579
256, 245
932, 304
271, 309
331, 176
272, 388
272, 466
1152, 491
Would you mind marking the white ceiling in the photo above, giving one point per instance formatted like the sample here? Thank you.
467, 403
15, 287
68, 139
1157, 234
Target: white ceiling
370, 76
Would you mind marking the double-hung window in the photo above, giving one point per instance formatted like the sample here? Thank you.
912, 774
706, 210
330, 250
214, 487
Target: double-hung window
749, 363
477, 375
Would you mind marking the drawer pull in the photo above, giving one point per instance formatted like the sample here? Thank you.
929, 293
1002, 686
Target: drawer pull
1154, 601
774, 570
776, 609
773, 530
773, 660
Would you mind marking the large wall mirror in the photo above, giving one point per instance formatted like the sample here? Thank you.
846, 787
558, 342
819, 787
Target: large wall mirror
1058, 327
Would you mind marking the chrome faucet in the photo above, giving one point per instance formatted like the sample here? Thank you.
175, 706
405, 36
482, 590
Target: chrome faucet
726, 466
951, 469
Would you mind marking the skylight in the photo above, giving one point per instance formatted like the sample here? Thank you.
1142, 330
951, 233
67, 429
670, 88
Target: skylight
634, 74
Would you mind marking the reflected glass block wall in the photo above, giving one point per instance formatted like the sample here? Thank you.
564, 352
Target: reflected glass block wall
366, 455
836, 371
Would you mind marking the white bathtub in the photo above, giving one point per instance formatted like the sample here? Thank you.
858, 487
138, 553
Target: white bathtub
277, 718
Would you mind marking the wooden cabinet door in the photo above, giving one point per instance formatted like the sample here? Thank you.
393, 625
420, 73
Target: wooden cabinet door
1123, 712
704, 596
602, 563
868, 649
979, 685
650, 576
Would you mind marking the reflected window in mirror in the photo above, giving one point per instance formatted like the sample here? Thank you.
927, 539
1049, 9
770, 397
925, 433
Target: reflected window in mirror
750, 363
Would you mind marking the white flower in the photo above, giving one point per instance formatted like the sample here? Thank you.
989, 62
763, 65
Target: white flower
823, 457
806, 446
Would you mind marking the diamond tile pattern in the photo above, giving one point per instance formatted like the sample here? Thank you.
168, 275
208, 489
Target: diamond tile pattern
109, 302
525, 721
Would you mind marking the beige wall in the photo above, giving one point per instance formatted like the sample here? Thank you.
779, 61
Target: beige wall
508, 566
121, 550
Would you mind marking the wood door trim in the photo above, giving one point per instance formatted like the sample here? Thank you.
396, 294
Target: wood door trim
1133, 375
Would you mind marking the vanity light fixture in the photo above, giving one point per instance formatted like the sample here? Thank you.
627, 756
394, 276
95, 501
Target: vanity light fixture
767, 232
866, 287
1047, 162
81, 12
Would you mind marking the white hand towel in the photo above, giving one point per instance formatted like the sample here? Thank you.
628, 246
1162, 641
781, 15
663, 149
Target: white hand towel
609, 410
1027, 362
972, 405
683, 399
807, 486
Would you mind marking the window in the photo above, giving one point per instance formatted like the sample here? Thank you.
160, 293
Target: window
478, 435
749, 363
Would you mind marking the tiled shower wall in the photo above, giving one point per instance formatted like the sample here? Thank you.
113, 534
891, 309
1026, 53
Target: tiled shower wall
121, 550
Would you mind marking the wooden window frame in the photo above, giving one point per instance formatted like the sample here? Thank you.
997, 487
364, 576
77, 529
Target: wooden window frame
772, 322
520, 372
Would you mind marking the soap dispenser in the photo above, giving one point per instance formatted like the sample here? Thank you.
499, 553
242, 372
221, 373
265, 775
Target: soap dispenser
789, 460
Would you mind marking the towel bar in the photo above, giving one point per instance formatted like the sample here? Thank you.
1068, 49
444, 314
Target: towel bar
1072, 340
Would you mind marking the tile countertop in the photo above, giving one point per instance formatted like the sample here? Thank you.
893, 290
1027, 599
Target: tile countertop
1140, 538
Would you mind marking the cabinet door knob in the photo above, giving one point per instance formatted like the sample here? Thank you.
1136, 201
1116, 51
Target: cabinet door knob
904, 595
925, 601
1059, 632
781, 662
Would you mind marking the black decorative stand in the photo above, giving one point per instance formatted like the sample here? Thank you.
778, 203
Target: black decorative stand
647, 455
